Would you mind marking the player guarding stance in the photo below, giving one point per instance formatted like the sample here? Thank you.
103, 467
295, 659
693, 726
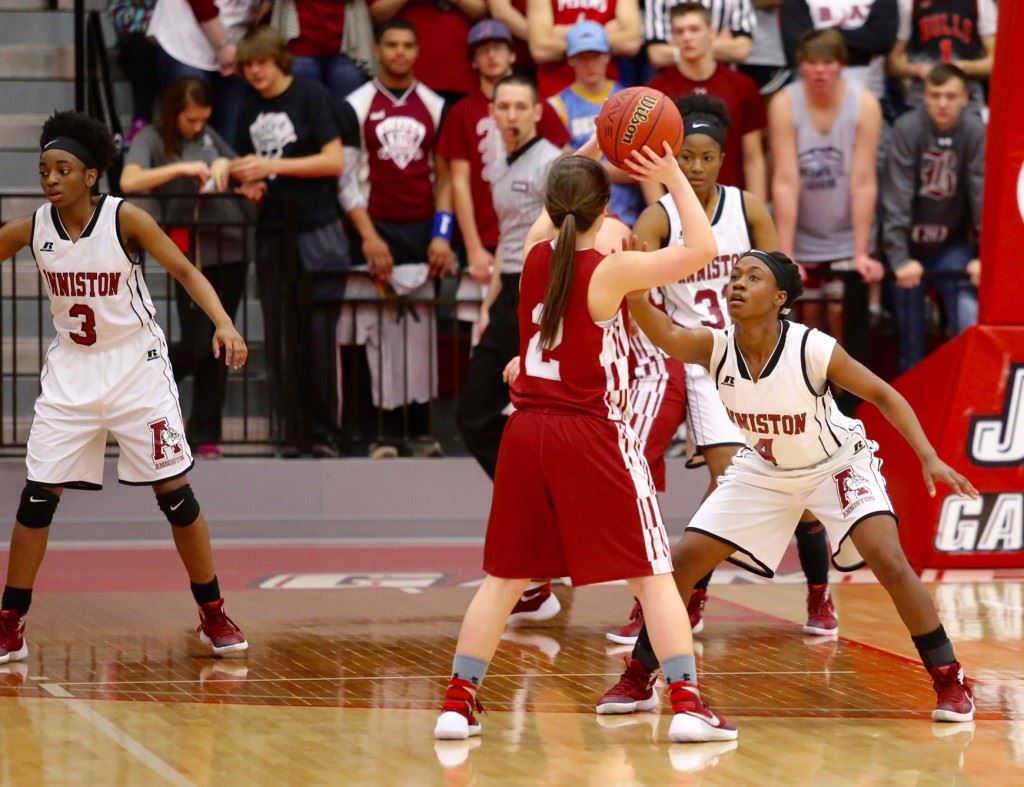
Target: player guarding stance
572, 493
106, 371
773, 377
739, 221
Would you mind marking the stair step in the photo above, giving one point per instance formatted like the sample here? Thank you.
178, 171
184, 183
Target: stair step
44, 5
32, 26
34, 61
43, 96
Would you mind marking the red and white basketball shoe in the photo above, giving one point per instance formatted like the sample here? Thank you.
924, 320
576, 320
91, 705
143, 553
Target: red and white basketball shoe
695, 722
634, 692
12, 636
627, 634
536, 604
695, 609
457, 720
218, 632
955, 698
822, 619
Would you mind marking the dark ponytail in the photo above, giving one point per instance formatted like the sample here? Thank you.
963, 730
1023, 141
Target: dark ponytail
577, 193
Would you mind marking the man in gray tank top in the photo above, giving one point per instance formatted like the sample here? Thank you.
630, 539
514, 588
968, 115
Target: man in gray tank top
824, 134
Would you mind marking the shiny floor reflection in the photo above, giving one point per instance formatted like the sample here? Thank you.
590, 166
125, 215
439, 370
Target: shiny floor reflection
343, 686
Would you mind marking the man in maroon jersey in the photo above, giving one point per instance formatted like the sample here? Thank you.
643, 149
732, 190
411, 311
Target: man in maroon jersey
471, 144
698, 72
400, 205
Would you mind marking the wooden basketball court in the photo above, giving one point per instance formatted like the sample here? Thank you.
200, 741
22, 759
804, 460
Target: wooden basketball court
342, 684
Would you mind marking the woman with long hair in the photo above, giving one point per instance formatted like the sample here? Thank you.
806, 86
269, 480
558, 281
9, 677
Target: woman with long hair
573, 494
179, 158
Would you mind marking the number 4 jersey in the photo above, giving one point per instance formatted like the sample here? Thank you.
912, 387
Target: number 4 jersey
98, 297
699, 299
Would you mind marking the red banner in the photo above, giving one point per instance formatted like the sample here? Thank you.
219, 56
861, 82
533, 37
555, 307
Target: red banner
969, 396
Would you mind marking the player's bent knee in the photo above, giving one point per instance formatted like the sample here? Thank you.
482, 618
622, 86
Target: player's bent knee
179, 506
37, 506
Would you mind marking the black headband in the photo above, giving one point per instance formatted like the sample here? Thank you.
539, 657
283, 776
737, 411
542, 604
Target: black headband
777, 271
75, 148
709, 125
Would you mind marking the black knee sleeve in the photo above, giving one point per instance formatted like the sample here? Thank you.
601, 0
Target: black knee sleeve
37, 506
179, 506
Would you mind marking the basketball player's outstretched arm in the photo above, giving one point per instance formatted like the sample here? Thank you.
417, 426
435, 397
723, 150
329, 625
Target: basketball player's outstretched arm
856, 378
689, 345
139, 227
14, 236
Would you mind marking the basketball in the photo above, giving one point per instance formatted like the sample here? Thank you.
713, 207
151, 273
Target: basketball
636, 117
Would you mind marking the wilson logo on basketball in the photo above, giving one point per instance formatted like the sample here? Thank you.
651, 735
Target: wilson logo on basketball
853, 489
167, 444
641, 115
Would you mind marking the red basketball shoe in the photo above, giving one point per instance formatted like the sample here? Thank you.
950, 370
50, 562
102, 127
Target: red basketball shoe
12, 636
695, 609
457, 721
534, 605
217, 631
955, 698
626, 635
634, 692
822, 619
695, 722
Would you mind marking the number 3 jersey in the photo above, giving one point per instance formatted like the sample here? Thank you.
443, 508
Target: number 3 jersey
788, 415
699, 299
587, 369
98, 297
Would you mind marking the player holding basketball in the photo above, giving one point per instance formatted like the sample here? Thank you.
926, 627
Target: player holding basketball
773, 377
572, 493
739, 221
106, 371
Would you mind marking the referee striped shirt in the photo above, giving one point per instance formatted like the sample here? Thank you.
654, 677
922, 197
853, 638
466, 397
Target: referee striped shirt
736, 16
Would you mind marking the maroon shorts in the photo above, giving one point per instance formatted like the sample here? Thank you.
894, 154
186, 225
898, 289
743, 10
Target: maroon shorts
659, 407
573, 496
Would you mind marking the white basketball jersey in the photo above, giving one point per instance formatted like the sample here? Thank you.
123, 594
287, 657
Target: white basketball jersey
699, 299
98, 297
788, 415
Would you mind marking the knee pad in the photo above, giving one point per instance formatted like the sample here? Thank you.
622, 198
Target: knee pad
179, 506
38, 503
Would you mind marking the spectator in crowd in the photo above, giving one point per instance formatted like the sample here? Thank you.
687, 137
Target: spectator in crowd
291, 158
137, 57
441, 26
732, 20
549, 22
471, 143
177, 159
698, 72
931, 208
199, 38
518, 193
329, 41
961, 32
868, 28
824, 134
766, 64
512, 14
579, 104
401, 207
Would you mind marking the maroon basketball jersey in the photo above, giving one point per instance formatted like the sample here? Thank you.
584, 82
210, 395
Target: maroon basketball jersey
587, 371
398, 135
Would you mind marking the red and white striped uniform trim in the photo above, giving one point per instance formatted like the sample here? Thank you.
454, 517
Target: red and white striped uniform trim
655, 538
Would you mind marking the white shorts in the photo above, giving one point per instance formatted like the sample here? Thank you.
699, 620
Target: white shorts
756, 506
128, 391
708, 425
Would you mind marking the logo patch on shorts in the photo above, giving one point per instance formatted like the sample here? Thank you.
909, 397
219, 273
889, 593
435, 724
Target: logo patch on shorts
167, 444
853, 489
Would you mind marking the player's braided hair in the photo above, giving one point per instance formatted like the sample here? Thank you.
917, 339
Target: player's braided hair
85, 130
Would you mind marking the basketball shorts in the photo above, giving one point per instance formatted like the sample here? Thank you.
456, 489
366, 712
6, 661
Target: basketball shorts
127, 391
756, 506
708, 425
657, 396
573, 497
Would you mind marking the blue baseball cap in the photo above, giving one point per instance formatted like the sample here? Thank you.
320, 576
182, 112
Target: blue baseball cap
586, 36
488, 30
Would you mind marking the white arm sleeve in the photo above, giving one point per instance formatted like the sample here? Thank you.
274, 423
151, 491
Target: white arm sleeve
350, 194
